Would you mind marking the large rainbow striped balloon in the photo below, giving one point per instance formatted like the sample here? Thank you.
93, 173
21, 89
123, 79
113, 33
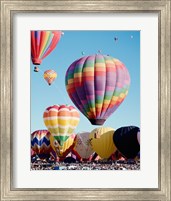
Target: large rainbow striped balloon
61, 120
42, 44
97, 85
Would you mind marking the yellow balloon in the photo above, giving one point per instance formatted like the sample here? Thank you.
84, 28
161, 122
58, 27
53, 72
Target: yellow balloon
63, 150
101, 140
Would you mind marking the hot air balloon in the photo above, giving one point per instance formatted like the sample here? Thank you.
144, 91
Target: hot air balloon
50, 76
82, 52
101, 140
40, 143
42, 44
116, 39
36, 69
97, 85
63, 151
125, 139
82, 145
61, 120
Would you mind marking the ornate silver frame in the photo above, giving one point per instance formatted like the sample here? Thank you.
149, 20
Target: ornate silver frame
8, 10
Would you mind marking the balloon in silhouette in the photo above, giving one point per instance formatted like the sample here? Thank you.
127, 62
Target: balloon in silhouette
126, 141
116, 39
97, 85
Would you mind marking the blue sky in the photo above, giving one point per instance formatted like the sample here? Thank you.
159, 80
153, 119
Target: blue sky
69, 48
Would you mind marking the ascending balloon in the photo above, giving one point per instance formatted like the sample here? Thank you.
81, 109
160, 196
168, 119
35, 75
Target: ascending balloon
36, 69
126, 141
97, 85
115, 38
42, 44
40, 143
82, 52
82, 145
61, 120
50, 76
101, 140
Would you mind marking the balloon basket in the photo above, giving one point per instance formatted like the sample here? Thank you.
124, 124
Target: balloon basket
97, 121
36, 61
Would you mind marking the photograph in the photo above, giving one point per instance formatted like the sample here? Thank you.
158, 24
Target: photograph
85, 100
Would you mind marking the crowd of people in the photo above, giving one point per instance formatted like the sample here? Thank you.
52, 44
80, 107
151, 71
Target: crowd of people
87, 165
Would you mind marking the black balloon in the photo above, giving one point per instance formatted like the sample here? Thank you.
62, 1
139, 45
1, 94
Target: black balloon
125, 139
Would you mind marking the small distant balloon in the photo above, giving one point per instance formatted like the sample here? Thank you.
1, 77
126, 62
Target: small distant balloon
83, 53
116, 39
50, 76
36, 69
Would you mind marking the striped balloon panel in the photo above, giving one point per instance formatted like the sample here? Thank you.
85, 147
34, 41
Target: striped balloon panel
83, 146
97, 85
43, 43
63, 151
40, 142
61, 120
49, 76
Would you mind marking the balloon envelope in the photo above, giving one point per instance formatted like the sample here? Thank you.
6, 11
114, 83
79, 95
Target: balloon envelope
63, 151
97, 85
61, 120
42, 44
138, 137
40, 142
125, 139
82, 145
101, 140
50, 76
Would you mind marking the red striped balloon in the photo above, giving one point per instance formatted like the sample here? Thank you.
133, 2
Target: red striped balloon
42, 44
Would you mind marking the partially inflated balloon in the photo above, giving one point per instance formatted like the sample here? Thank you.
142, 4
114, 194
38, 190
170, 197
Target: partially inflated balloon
126, 141
101, 140
97, 85
61, 120
40, 142
50, 76
82, 145
63, 151
42, 44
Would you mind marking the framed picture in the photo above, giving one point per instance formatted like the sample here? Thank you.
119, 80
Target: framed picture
138, 34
